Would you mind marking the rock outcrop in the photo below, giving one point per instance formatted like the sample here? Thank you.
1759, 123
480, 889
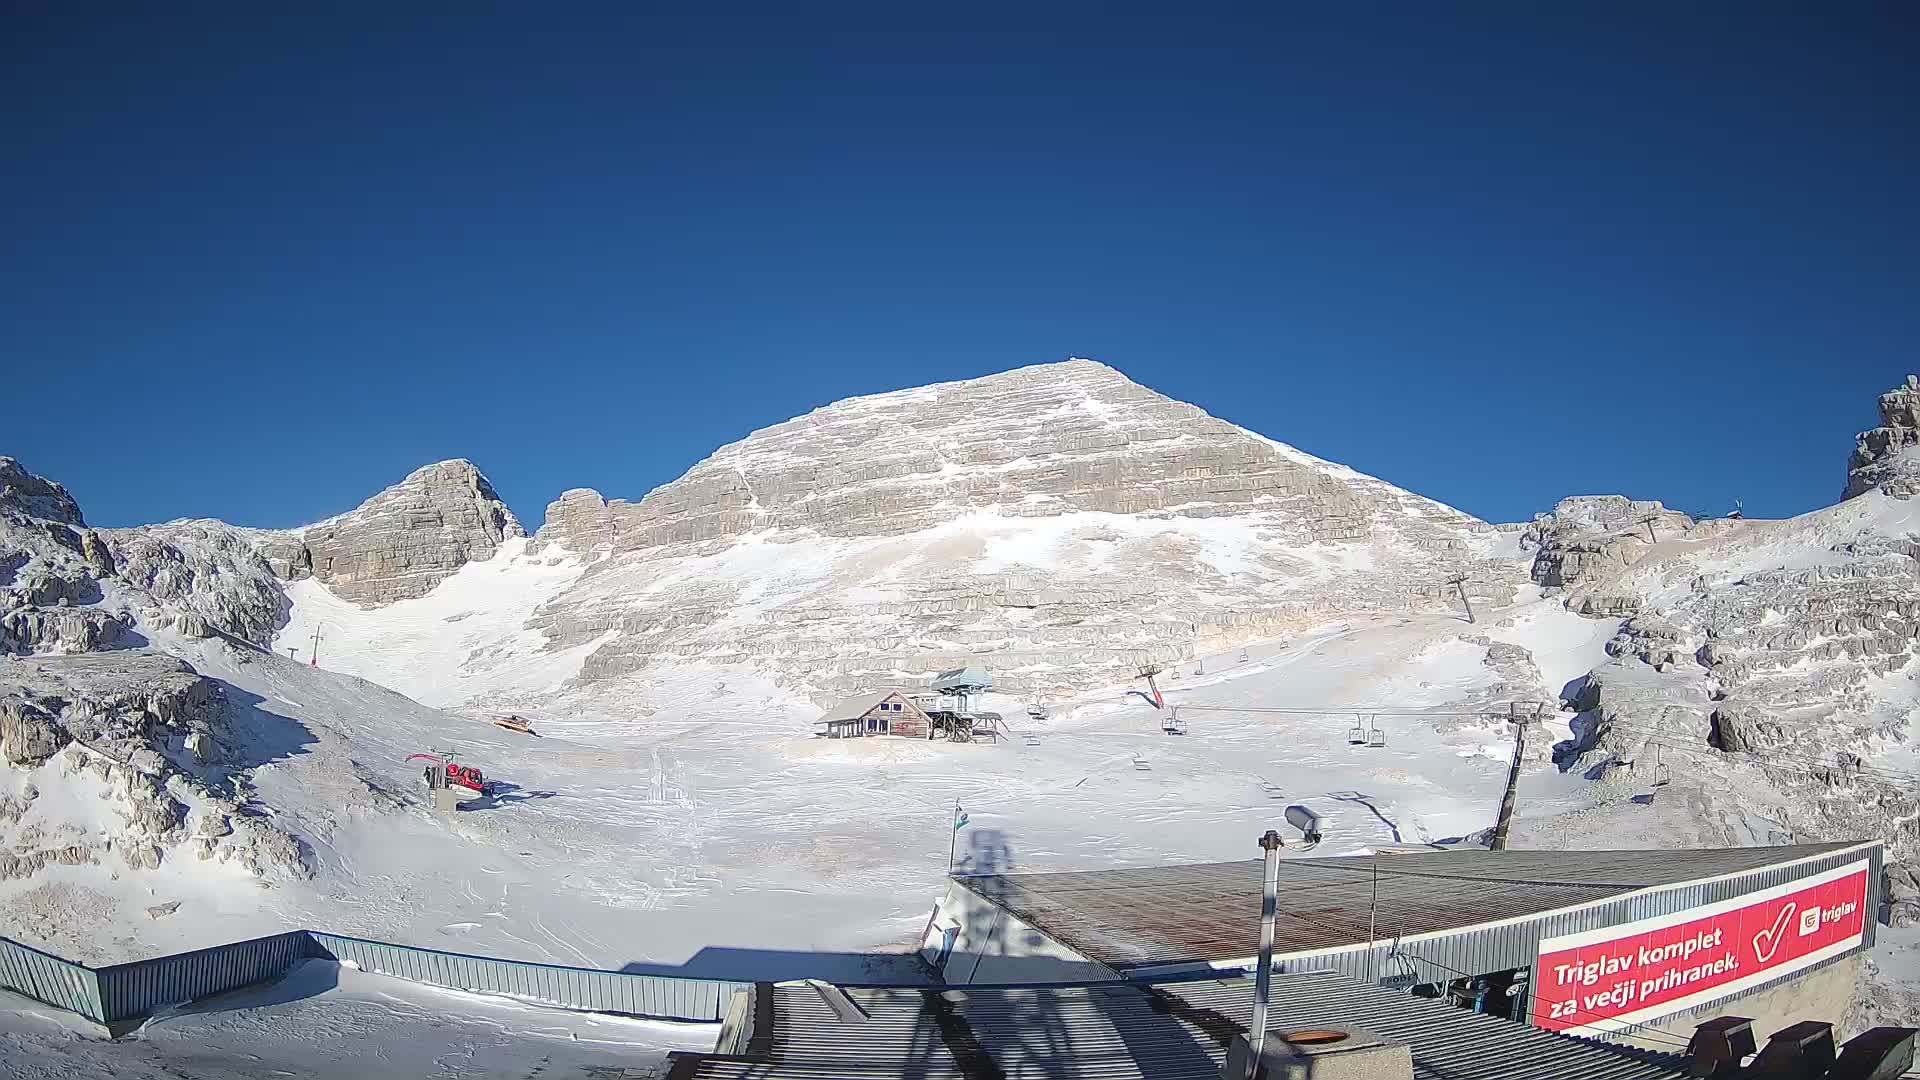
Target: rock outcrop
202, 576
1592, 536
402, 542
1888, 457
36, 497
51, 570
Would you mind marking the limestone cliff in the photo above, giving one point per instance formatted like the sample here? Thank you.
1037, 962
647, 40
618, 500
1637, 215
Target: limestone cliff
403, 541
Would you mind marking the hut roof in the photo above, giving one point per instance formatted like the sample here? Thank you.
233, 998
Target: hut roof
857, 706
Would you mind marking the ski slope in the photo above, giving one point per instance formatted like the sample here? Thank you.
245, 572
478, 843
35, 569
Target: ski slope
696, 821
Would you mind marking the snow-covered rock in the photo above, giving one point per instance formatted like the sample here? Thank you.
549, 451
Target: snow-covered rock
1592, 535
201, 576
1888, 457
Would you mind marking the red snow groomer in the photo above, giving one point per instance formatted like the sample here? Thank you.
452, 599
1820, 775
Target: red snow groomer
443, 772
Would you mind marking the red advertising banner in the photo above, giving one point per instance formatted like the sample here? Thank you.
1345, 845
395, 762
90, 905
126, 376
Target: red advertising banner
1617, 976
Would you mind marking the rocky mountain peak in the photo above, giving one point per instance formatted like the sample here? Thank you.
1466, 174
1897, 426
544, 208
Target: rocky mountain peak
1888, 457
1041, 441
1060, 517
403, 541
36, 496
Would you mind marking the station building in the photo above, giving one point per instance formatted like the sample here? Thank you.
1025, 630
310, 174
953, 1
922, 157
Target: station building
1626, 946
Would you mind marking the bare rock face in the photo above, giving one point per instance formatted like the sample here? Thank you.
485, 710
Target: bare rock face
1061, 518
1888, 457
29, 629
116, 702
402, 542
1591, 536
51, 569
35, 496
29, 733
1036, 442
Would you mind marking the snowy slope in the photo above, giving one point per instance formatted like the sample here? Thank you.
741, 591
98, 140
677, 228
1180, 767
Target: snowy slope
468, 639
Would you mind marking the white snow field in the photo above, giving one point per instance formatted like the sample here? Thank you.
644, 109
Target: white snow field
718, 832
325, 1020
708, 819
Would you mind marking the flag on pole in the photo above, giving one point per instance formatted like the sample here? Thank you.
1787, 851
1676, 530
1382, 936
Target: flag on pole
959, 819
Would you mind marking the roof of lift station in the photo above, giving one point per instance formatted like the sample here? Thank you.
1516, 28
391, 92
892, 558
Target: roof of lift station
1165, 916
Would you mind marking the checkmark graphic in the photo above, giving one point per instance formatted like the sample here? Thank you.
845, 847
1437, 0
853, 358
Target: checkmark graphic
1767, 942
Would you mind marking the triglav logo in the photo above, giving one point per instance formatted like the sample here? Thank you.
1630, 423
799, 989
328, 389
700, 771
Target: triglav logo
1767, 942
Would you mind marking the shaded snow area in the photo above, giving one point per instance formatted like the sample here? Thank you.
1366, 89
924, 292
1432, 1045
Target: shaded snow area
323, 1020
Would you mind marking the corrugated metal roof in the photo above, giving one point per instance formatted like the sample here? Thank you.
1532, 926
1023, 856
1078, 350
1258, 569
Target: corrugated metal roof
1197, 913
971, 677
1126, 1031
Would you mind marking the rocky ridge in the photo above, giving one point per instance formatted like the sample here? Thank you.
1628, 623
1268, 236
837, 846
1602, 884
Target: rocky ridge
1777, 659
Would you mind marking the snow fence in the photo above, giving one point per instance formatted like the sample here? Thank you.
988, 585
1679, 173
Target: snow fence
122, 992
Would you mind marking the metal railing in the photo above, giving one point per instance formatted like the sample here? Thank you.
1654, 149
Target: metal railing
657, 997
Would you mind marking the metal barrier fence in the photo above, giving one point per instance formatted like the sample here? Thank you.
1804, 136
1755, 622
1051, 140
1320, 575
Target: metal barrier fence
45, 977
658, 997
135, 990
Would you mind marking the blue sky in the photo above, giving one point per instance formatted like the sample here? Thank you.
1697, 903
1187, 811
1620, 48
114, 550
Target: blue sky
258, 265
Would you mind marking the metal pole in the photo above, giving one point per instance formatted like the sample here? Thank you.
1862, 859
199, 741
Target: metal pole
1270, 844
1505, 820
1373, 906
953, 834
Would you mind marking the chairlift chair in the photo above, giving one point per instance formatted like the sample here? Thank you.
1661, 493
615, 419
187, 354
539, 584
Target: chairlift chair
1172, 723
1377, 737
1356, 735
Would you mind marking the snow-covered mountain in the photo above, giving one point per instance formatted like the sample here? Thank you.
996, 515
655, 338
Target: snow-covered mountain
1723, 681
1061, 519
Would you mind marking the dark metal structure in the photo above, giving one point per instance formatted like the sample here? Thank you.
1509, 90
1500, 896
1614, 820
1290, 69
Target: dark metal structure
1120, 1032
